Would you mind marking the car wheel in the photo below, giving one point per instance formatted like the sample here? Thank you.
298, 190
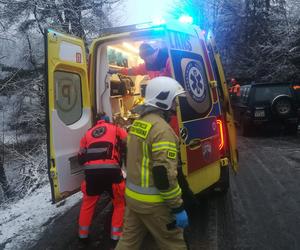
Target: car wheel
282, 105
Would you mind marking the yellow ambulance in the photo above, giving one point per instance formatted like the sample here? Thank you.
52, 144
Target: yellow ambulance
78, 88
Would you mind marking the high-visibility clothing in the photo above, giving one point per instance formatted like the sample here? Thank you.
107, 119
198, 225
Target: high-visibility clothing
152, 142
100, 153
102, 140
88, 207
160, 67
161, 226
235, 90
152, 192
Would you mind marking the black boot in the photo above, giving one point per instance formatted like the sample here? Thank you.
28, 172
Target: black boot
113, 244
83, 243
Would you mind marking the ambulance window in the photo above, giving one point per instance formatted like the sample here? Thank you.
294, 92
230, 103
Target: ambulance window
247, 92
215, 71
117, 58
244, 93
68, 100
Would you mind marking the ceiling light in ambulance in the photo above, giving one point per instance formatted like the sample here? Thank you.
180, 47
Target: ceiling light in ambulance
131, 48
117, 49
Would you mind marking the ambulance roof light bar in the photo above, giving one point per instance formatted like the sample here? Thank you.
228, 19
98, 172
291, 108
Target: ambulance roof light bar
157, 23
186, 19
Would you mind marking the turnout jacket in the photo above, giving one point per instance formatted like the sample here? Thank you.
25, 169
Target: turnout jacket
152, 160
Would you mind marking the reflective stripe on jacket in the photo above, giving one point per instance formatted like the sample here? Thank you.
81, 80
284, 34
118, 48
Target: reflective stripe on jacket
107, 134
152, 143
101, 166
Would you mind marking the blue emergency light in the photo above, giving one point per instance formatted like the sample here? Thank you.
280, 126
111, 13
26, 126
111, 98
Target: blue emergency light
186, 19
160, 21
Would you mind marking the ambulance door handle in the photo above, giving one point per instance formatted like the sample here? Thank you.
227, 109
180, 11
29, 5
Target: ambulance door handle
107, 79
52, 160
213, 84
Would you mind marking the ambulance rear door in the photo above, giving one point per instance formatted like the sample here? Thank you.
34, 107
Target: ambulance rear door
68, 110
198, 112
221, 81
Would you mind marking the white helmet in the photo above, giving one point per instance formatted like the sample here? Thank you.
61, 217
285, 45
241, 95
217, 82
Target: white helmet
161, 91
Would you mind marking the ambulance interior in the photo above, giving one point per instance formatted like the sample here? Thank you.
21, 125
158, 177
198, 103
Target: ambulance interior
118, 95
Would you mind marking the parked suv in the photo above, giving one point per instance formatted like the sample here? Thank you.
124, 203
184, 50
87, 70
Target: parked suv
268, 105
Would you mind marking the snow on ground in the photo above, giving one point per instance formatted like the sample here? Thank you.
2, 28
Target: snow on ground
24, 221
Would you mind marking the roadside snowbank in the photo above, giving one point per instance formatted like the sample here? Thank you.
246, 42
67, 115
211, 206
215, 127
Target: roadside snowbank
24, 221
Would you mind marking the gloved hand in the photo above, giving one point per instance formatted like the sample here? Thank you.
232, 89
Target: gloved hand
182, 219
113, 71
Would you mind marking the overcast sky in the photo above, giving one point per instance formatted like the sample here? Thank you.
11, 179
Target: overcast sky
139, 11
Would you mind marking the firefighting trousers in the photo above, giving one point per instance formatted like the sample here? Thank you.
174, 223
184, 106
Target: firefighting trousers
88, 207
159, 223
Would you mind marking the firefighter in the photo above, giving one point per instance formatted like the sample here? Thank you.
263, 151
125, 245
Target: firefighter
153, 196
156, 63
100, 153
234, 90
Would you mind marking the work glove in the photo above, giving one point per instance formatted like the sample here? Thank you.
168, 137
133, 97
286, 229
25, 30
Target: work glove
182, 219
113, 71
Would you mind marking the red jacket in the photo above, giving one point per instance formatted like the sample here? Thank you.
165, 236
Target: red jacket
161, 67
99, 145
235, 90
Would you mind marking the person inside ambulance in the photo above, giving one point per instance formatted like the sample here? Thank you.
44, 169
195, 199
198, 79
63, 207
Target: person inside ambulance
234, 90
153, 196
100, 152
156, 63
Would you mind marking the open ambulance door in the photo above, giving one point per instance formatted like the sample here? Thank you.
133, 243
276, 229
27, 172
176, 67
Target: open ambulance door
68, 110
231, 130
197, 112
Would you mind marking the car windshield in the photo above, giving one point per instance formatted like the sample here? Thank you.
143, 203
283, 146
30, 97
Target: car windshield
268, 93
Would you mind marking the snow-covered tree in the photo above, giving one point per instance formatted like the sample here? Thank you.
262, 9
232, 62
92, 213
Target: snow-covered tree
254, 36
22, 25
77, 17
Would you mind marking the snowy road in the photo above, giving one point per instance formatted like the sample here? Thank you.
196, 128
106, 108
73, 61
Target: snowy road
265, 195
262, 210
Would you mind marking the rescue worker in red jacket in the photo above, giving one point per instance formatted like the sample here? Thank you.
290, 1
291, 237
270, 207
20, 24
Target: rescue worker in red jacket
156, 63
234, 90
100, 153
